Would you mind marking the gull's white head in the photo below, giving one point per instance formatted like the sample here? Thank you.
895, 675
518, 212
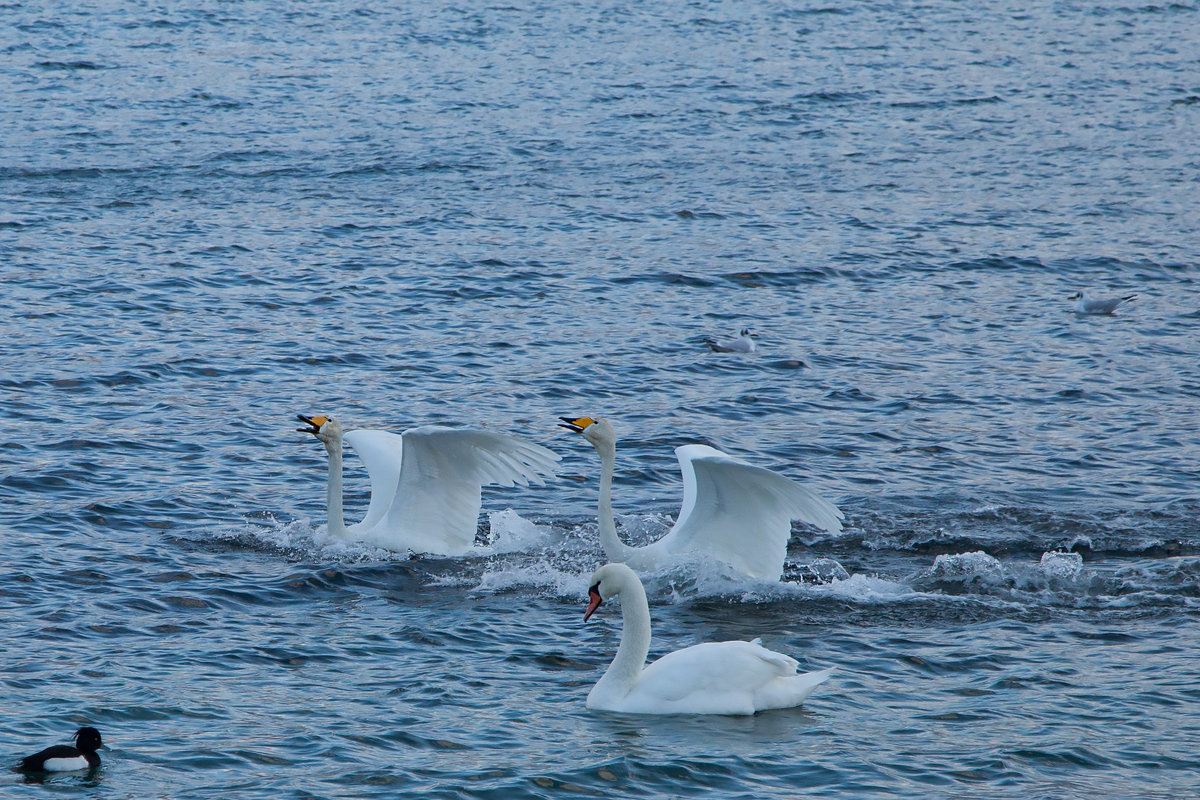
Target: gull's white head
327, 429
595, 429
1077, 296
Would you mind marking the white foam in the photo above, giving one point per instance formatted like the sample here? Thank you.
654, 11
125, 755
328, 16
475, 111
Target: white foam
539, 575
857, 588
704, 579
301, 538
1063, 566
642, 529
869, 589
512, 533
822, 570
964, 566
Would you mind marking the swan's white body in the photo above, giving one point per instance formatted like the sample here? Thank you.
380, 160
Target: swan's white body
742, 343
709, 678
426, 483
732, 512
1086, 304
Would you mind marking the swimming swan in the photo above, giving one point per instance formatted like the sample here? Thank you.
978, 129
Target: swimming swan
732, 511
425, 483
709, 678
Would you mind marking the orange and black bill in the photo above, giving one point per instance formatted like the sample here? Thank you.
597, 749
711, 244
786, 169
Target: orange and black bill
576, 424
314, 424
594, 601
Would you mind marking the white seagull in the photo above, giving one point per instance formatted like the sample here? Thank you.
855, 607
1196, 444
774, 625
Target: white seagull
1086, 304
426, 482
742, 343
732, 512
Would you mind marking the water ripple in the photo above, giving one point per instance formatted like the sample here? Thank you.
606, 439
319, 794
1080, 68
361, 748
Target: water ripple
214, 220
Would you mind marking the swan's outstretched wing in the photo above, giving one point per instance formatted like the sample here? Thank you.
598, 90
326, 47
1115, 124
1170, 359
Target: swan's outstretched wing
741, 514
381, 453
436, 503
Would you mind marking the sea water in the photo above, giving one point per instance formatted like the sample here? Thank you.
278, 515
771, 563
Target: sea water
214, 216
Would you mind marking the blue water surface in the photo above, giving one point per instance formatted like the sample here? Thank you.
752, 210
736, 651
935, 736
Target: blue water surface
214, 216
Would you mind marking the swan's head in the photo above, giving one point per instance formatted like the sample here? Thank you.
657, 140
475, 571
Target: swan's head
328, 430
607, 582
595, 430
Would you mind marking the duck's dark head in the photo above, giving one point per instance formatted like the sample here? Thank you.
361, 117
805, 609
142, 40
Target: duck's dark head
87, 740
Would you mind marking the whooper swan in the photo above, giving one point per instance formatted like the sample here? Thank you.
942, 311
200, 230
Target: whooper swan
425, 482
732, 511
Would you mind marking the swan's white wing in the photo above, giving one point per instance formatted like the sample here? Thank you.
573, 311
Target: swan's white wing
436, 504
381, 453
686, 454
710, 678
739, 513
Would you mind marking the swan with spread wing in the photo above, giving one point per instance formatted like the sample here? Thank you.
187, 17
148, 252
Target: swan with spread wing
732, 511
426, 482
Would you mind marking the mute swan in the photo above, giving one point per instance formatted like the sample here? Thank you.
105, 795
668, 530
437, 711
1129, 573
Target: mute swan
709, 678
732, 511
742, 343
1086, 304
425, 483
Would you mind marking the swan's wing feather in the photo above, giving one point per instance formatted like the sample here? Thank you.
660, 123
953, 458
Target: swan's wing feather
381, 453
709, 670
436, 504
741, 514
686, 454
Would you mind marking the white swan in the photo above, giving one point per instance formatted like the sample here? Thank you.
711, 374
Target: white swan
732, 511
709, 678
425, 483
1086, 304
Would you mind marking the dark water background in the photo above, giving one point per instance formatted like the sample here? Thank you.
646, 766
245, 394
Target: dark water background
216, 215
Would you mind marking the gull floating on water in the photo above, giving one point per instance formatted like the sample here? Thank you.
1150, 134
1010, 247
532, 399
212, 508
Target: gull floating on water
1086, 304
742, 343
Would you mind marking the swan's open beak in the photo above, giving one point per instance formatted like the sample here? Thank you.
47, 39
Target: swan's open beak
576, 424
314, 424
594, 601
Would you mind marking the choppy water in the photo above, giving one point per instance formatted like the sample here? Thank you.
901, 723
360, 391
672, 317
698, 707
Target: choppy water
214, 216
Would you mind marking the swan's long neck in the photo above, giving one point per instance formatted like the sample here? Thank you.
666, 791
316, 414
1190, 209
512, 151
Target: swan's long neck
614, 548
627, 665
337, 526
